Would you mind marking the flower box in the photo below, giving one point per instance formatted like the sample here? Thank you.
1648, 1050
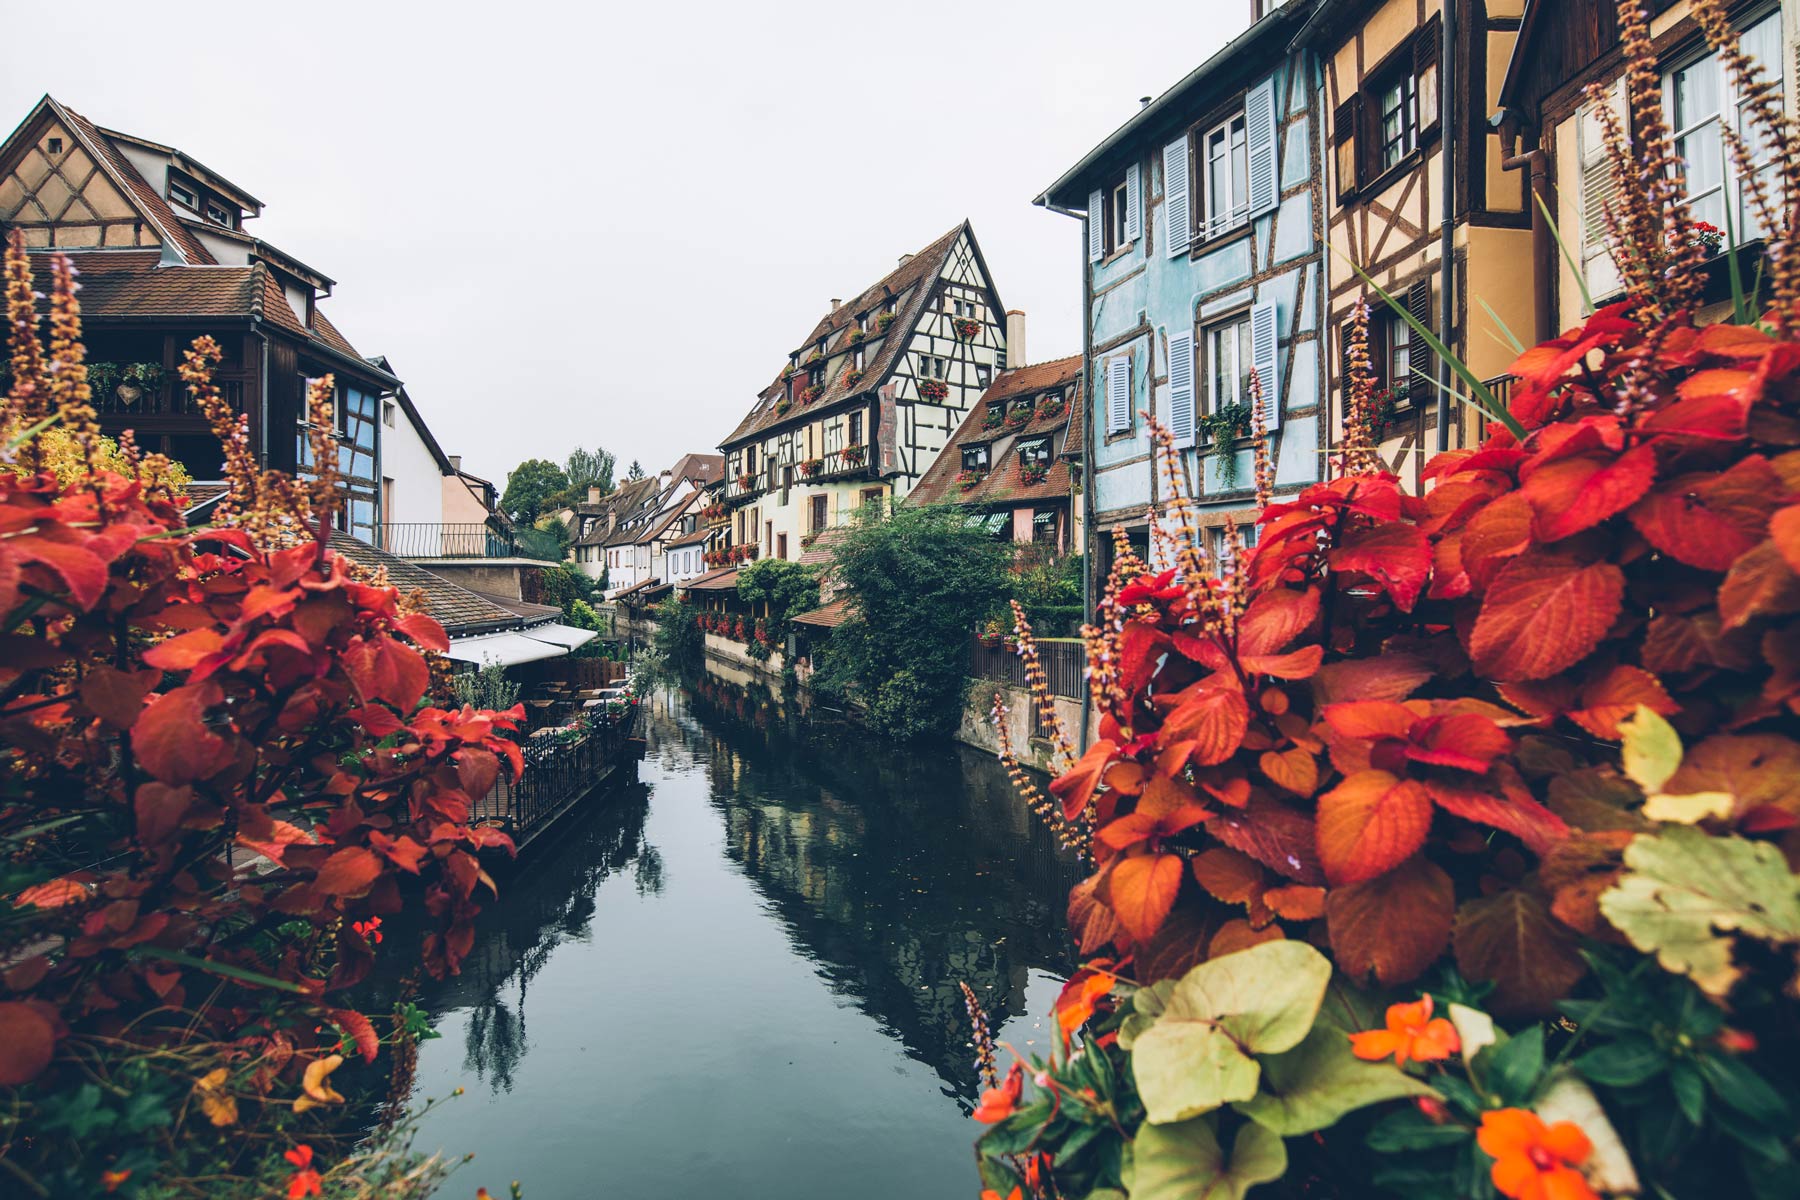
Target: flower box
855, 456
783, 406
1051, 409
883, 321
966, 479
992, 418
857, 336
744, 483
811, 467
1033, 474
1018, 418
813, 359
852, 377
933, 390
810, 393
966, 328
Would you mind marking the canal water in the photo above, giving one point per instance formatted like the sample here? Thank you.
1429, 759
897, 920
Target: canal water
737, 975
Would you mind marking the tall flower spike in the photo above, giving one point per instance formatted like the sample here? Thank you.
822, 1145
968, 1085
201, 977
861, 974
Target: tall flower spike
1259, 442
1359, 450
196, 371
1103, 636
321, 416
70, 396
1071, 837
1040, 687
982, 1038
28, 398
1189, 551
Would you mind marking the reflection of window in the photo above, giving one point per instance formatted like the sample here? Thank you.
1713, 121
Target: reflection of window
975, 458
1035, 452
1228, 361
1702, 103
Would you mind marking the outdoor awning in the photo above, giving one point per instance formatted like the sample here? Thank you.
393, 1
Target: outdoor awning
566, 636
507, 649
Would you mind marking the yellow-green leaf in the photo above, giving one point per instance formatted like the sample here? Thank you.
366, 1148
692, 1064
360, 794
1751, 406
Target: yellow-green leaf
1686, 892
1652, 749
1319, 1081
1690, 809
1185, 1162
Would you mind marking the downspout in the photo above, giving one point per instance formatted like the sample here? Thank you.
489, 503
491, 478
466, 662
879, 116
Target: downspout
1088, 559
1536, 164
1447, 237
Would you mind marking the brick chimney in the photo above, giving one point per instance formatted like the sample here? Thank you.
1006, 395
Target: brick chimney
455, 462
1015, 337
593, 493
1258, 10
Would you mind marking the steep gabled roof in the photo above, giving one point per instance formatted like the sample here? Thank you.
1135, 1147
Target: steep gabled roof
412, 415
912, 280
132, 283
156, 210
1002, 484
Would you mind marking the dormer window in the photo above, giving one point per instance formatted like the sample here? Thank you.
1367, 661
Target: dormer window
975, 458
184, 195
218, 214
55, 145
1035, 452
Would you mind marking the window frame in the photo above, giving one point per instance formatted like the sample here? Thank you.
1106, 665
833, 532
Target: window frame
983, 455
192, 201
1733, 195
1036, 451
1206, 370
1206, 225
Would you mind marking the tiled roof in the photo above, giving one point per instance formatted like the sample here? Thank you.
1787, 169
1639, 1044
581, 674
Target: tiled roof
829, 617
199, 495
455, 607
154, 206
820, 551
638, 588
129, 283
523, 609
722, 580
691, 539
835, 328
1002, 484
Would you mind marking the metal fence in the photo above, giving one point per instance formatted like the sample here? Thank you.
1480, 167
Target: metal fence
1064, 662
438, 539
555, 777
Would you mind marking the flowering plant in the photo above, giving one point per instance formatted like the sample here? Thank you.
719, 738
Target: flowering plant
811, 467
1032, 473
968, 477
966, 327
1709, 237
810, 393
1051, 407
744, 482
1018, 416
857, 336
852, 376
783, 406
933, 390
992, 415
855, 456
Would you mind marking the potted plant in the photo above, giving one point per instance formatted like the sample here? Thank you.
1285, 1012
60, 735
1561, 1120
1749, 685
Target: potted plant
743, 482
1018, 417
857, 336
855, 456
812, 467
966, 328
783, 406
1708, 237
1032, 473
810, 393
883, 321
1051, 407
933, 390
852, 377
990, 633
991, 417
968, 477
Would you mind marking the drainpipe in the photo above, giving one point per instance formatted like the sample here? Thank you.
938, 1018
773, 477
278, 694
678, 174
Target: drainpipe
1447, 241
1536, 164
1088, 559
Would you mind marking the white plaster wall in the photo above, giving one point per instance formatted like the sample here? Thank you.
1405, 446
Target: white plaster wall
418, 482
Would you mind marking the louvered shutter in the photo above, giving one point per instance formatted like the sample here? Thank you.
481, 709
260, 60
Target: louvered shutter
1134, 207
1598, 189
1181, 388
1265, 357
1346, 333
1427, 50
1096, 226
1259, 134
1176, 222
1423, 365
1346, 139
1118, 395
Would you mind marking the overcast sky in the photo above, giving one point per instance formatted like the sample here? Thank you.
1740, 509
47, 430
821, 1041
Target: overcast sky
609, 224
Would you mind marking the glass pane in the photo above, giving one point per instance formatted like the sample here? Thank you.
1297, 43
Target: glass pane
1702, 150
1698, 92
1245, 361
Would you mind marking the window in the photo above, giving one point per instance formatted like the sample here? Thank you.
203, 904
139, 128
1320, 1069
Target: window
1222, 550
1043, 526
870, 496
1114, 215
1225, 174
387, 413
55, 145
1396, 111
963, 308
218, 214
932, 366
1035, 452
984, 374
817, 512
183, 195
856, 438
1226, 347
1397, 117
1702, 103
975, 458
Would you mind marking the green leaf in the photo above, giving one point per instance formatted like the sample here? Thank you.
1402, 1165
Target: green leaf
1146, 1005
1651, 749
1690, 1092
1511, 1070
1183, 1161
1624, 1063
1685, 893
1409, 1130
1319, 1081
1735, 1084
1511, 341
1587, 297
1197, 1055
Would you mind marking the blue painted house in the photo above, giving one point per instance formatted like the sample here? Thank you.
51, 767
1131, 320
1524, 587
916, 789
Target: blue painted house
1203, 244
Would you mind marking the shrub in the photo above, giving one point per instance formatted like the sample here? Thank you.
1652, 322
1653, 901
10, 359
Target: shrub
679, 636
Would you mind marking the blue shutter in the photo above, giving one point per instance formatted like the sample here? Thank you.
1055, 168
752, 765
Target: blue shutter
1118, 394
1265, 357
1096, 226
1181, 388
1176, 222
1259, 133
1134, 207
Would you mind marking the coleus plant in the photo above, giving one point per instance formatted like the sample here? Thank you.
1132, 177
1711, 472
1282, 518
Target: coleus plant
1419, 732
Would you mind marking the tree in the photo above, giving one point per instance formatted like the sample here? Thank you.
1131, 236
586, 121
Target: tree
589, 468
788, 588
530, 486
636, 471
918, 579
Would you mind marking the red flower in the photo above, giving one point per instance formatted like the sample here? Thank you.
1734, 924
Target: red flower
1412, 1032
999, 1103
305, 1181
1534, 1161
369, 929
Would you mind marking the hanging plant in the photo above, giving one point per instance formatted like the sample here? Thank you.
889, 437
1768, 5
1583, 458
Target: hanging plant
966, 328
933, 389
812, 467
855, 456
1224, 427
1385, 404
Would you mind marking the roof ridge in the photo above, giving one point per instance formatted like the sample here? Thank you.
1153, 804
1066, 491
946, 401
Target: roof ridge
1042, 362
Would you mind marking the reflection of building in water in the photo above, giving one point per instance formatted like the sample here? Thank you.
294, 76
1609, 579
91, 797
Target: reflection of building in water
901, 872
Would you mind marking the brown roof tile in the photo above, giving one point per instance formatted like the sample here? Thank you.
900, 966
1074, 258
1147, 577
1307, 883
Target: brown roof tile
722, 580
829, 617
1002, 484
455, 607
154, 206
129, 283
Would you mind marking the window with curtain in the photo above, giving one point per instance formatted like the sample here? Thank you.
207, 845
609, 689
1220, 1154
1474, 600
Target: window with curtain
1701, 104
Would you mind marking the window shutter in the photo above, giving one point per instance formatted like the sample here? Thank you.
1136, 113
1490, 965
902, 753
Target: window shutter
1118, 395
1420, 358
1259, 134
1346, 128
1177, 224
1427, 50
1134, 207
1598, 190
1346, 332
1265, 357
1096, 226
1181, 388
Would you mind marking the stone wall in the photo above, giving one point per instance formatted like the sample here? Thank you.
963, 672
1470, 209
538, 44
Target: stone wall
976, 728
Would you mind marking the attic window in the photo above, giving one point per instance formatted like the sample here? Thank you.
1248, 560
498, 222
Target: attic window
218, 214
55, 145
181, 194
387, 414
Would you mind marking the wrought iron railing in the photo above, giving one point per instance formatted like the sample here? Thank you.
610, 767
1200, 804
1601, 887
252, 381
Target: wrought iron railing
438, 539
1064, 662
169, 398
556, 775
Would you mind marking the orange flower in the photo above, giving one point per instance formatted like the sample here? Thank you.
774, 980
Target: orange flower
305, 1181
991, 1194
1412, 1032
1076, 1004
999, 1103
111, 1180
1534, 1161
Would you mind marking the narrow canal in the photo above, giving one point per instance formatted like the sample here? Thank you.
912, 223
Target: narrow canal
737, 976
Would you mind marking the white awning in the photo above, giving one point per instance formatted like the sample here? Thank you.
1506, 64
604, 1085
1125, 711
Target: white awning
566, 636
507, 649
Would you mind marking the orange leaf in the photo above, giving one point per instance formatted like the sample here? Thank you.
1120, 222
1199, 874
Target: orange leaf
1511, 938
53, 893
185, 651
424, 631
1709, 518
27, 1042
1389, 677
1239, 934
1141, 890
1573, 494
1214, 718
1369, 824
1543, 614
1076, 787
1396, 555
1393, 926
115, 696
349, 872
1758, 583
1297, 664
1295, 770
1275, 618
1227, 874
1616, 695
1296, 902
172, 740
1784, 529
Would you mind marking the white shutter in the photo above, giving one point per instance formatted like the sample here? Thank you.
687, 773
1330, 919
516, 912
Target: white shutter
1181, 388
1265, 357
1134, 208
1598, 189
1259, 133
1118, 395
1176, 222
1096, 226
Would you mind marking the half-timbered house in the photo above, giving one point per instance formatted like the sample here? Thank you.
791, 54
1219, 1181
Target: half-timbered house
1203, 262
1411, 151
1014, 463
160, 243
1554, 130
868, 400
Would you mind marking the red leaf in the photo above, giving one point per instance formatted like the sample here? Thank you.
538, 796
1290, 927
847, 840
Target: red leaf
1215, 718
1758, 583
1140, 889
1784, 530
1140, 647
185, 651
1394, 926
1275, 618
1297, 902
1517, 813
402, 851
360, 1028
378, 721
1369, 824
1543, 614
349, 872
408, 672
424, 631
82, 571
27, 1043
1389, 677
1274, 835
1296, 664
1093, 924
1707, 520
1615, 695
171, 738
1076, 787
1397, 556
115, 696
1573, 494
159, 810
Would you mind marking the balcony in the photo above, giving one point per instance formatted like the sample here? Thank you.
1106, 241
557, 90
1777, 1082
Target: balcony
841, 464
169, 398
436, 539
